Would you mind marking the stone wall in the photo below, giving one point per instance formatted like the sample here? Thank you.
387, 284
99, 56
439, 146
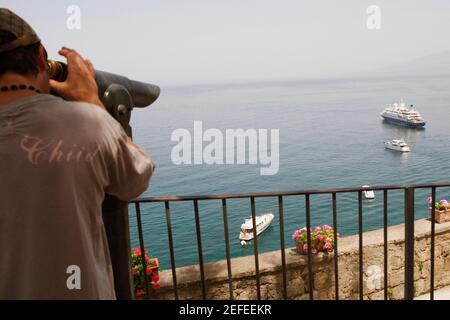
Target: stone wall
244, 281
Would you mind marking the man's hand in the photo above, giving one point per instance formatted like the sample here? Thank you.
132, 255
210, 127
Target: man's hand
80, 84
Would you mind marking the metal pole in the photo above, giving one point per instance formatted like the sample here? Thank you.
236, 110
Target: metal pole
119, 103
115, 219
409, 243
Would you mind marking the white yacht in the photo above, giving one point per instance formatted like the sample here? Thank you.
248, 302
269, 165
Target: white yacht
397, 145
368, 194
262, 223
400, 114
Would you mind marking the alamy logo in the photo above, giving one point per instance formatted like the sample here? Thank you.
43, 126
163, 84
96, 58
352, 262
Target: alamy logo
374, 19
190, 149
74, 20
73, 281
374, 275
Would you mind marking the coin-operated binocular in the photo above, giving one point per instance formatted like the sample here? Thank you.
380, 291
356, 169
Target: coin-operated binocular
119, 95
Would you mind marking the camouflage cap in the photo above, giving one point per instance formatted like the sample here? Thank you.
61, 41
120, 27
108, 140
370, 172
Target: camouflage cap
14, 24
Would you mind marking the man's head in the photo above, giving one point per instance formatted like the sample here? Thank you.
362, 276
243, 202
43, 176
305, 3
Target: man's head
21, 51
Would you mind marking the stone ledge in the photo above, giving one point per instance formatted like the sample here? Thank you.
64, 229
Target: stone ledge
269, 262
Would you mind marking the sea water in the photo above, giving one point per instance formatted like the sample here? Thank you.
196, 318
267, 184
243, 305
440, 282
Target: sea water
331, 135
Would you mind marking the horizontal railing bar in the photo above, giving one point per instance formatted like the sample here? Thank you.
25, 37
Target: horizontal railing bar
284, 193
429, 185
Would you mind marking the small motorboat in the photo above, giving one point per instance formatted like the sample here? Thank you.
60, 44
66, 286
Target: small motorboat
368, 194
262, 223
397, 145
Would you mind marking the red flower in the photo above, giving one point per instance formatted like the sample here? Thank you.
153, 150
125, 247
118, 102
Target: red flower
133, 271
155, 279
137, 251
156, 286
148, 270
139, 293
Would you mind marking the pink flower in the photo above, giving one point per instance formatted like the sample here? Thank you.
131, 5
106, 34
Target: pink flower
430, 200
302, 230
328, 245
328, 239
318, 229
444, 202
327, 228
296, 234
305, 247
319, 237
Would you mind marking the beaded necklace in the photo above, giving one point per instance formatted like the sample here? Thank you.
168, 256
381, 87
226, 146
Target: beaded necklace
16, 87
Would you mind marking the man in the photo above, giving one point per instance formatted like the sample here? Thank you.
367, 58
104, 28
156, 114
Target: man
58, 157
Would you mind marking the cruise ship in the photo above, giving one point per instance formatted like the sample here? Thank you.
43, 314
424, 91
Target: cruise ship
400, 114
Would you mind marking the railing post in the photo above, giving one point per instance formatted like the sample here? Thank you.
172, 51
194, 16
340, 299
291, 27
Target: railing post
115, 211
409, 243
115, 219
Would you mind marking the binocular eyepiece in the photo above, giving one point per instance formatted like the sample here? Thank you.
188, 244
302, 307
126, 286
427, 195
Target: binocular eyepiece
142, 94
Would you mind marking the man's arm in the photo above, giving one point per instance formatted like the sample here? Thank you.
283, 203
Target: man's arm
80, 84
130, 168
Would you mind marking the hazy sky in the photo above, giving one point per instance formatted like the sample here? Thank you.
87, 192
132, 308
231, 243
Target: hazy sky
210, 41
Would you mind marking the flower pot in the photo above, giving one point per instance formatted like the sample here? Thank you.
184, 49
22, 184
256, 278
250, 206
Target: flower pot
441, 216
299, 248
154, 267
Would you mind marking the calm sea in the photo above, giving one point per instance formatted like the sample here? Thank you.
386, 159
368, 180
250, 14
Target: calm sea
331, 135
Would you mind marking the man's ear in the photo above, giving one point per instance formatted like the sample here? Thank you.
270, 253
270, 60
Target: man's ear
42, 59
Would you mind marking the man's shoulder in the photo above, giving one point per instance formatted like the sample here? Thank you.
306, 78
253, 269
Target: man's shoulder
71, 108
59, 114
53, 107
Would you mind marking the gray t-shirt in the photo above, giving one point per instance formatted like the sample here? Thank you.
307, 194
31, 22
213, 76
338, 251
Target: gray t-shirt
57, 160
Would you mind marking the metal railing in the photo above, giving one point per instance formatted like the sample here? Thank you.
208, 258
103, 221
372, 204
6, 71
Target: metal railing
409, 192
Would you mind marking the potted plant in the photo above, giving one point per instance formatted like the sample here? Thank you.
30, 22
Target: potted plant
322, 240
138, 273
441, 210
